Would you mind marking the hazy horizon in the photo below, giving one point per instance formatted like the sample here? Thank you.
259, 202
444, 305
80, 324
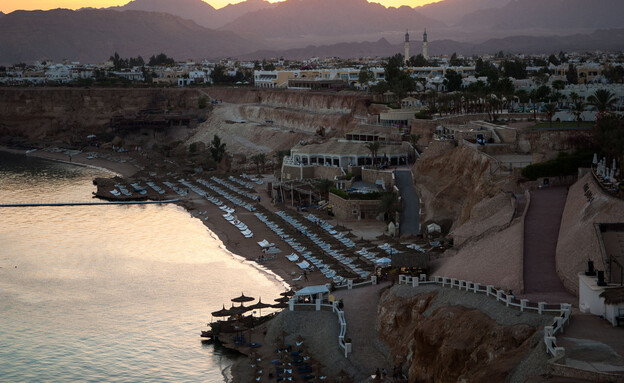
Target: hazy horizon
9, 6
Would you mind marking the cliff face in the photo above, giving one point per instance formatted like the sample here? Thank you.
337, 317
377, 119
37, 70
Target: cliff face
450, 343
451, 181
578, 241
314, 102
48, 114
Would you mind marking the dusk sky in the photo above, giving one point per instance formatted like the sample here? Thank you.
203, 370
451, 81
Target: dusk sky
7, 6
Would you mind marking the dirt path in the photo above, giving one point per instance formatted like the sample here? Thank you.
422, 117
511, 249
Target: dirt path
541, 233
360, 307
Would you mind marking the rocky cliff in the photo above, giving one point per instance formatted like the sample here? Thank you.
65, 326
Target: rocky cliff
436, 340
452, 180
578, 241
55, 114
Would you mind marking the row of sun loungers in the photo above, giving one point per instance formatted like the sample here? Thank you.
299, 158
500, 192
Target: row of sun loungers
416, 247
175, 188
388, 249
242, 183
306, 254
252, 179
235, 200
330, 229
235, 189
346, 261
234, 221
156, 188
368, 255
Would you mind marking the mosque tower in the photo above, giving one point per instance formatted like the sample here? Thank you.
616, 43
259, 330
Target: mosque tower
407, 52
424, 53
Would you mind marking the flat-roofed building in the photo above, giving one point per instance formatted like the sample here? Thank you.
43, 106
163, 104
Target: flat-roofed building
342, 153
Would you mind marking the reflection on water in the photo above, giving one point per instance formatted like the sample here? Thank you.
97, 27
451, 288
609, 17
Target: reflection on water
107, 293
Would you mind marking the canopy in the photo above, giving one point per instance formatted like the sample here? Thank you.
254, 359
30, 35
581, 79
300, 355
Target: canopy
312, 290
259, 305
281, 305
242, 299
288, 293
282, 299
221, 313
383, 261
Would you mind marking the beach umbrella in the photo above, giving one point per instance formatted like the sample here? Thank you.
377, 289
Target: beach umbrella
221, 313
281, 305
242, 299
288, 293
282, 299
259, 306
385, 261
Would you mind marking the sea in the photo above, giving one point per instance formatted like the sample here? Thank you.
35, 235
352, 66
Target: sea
109, 293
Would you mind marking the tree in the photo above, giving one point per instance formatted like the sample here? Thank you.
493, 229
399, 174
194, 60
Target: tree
610, 135
558, 84
219, 74
453, 80
418, 61
577, 108
259, 160
365, 76
515, 69
552, 59
550, 109
615, 74
571, 75
389, 205
602, 100
373, 147
414, 138
161, 60
455, 61
322, 186
217, 149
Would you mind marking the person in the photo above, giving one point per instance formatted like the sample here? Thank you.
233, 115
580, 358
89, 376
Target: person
384, 373
305, 275
377, 374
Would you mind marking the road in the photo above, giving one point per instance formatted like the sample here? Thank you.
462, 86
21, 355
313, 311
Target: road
410, 214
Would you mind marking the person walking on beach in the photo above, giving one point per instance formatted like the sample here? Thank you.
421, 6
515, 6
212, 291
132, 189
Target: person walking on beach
305, 275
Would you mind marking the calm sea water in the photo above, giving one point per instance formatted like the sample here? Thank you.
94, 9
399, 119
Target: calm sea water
102, 293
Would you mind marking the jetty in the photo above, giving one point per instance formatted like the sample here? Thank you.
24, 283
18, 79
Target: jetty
89, 203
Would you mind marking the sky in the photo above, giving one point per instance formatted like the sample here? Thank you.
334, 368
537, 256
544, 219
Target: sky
7, 6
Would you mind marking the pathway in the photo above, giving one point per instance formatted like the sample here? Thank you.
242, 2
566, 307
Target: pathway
541, 233
410, 214
360, 308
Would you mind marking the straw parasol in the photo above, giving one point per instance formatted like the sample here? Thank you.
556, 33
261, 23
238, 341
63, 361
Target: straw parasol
282, 299
281, 305
259, 306
288, 293
221, 313
242, 299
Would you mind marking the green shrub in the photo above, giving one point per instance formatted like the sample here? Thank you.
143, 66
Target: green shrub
564, 165
340, 193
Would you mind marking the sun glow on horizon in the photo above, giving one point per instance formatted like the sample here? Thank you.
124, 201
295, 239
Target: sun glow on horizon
8, 6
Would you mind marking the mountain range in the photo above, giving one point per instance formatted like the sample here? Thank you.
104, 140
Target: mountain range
346, 28
94, 35
199, 11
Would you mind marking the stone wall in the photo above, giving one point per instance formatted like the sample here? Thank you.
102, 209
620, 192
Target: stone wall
372, 175
354, 210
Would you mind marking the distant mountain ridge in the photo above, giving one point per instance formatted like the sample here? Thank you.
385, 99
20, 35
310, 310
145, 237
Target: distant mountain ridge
524, 14
291, 20
94, 35
451, 11
606, 40
199, 11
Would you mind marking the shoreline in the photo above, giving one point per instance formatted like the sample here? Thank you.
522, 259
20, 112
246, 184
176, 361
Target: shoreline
241, 249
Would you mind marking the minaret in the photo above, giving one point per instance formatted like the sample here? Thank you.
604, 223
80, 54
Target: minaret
407, 53
425, 54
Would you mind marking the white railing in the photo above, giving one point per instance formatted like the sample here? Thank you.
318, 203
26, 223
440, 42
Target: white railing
563, 310
346, 346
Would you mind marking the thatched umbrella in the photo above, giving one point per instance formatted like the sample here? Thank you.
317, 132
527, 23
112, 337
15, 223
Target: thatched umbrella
259, 306
288, 293
221, 313
282, 299
281, 305
242, 299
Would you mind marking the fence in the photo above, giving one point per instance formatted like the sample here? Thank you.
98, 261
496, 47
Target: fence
563, 310
346, 346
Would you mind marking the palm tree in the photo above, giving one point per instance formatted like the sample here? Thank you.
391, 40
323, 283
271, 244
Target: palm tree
551, 109
577, 108
217, 149
259, 159
374, 148
322, 186
602, 100
389, 205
